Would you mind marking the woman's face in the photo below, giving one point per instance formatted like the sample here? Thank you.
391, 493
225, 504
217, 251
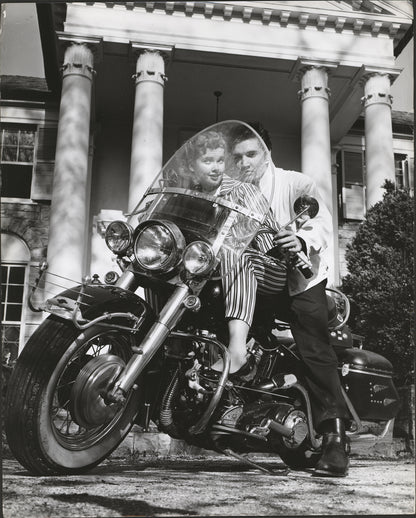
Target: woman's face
209, 169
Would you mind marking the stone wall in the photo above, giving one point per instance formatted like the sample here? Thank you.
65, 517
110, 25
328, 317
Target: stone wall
30, 222
347, 231
405, 421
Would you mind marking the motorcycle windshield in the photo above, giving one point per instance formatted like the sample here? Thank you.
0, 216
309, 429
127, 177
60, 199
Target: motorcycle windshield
212, 188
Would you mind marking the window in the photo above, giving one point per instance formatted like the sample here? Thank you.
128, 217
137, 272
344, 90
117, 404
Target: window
17, 159
12, 288
401, 169
351, 181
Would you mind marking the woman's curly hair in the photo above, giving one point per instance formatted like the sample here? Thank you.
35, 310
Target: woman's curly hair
198, 145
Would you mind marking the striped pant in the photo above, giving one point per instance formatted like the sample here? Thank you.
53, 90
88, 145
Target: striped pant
253, 272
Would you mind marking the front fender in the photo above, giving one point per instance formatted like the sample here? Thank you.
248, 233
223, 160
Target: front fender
98, 300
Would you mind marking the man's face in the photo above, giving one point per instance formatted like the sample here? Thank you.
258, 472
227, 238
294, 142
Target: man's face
209, 169
248, 156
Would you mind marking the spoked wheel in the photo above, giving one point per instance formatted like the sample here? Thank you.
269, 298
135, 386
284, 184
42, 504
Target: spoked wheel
57, 416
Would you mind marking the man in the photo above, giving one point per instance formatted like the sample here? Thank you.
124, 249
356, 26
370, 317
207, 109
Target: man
305, 297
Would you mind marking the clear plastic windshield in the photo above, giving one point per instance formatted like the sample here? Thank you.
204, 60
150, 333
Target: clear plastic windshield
213, 188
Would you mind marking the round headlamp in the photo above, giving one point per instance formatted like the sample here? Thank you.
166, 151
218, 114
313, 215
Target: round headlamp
158, 246
119, 236
198, 258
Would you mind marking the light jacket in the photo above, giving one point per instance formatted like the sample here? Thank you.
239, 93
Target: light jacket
285, 187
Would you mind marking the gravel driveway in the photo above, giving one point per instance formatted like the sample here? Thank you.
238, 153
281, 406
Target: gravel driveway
217, 486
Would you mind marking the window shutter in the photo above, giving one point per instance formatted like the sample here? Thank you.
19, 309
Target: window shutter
410, 170
45, 161
42, 181
46, 143
353, 188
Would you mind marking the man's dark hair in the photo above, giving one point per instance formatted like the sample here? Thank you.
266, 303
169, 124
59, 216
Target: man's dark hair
264, 134
244, 133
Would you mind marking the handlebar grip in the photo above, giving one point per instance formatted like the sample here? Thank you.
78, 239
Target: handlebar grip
306, 271
306, 268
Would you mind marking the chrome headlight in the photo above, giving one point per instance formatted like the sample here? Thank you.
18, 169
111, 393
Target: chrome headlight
119, 236
158, 246
198, 258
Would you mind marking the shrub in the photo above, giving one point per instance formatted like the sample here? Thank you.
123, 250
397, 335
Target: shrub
380, 261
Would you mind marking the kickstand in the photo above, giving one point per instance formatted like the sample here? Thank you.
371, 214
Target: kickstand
246, 460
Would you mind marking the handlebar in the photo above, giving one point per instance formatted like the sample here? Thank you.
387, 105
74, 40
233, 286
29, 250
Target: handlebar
306, 267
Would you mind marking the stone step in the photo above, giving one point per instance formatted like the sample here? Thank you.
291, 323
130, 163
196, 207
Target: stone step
139, 443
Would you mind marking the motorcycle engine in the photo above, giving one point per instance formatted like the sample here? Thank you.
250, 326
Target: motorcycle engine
266, 419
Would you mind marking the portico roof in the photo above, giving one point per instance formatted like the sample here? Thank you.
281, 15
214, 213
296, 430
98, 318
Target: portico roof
251, 51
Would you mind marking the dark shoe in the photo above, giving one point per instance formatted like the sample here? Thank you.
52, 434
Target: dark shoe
246, 372
334, 459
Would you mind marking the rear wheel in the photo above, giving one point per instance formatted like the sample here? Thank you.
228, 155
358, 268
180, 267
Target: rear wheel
300, 458
56, 418
295, 451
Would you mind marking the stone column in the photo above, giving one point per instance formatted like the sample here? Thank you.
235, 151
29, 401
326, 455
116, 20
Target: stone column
147, 139
315, 138
379, 154
335, 219
316, 159
69, 207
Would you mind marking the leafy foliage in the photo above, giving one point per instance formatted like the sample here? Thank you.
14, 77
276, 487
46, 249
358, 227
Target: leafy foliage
380, 281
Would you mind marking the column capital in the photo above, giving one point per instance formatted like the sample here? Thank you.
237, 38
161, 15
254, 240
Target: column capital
313, 76
302, 65
78, 54
367, 72
377, 84
138, 48
151, 60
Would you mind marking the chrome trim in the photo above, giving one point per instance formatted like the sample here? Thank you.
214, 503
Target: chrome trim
367, 373
157, 334
178, 242
130, 231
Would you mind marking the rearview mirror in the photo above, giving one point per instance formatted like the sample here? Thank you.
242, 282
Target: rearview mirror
306, 204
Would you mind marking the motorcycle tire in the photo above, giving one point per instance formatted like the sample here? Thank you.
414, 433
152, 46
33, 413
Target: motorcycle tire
299, 458
52, 424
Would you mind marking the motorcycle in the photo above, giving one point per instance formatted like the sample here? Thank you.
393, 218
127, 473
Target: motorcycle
107, 358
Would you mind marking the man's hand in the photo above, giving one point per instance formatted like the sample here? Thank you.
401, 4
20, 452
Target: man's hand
287, 240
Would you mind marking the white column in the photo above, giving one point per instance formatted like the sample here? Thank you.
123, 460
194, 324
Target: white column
335, 220
69, 207
147, 140
316, 144
379, 154
315, 138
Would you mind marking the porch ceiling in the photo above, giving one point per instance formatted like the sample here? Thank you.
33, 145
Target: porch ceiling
265, 92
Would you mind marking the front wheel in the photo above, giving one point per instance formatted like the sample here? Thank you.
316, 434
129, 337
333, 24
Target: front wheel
56, 418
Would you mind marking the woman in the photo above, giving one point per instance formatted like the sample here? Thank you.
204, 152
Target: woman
206, 158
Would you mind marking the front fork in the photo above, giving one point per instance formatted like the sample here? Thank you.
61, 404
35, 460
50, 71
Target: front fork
181, 299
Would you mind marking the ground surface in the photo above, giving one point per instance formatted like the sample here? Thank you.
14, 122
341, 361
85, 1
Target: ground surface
209, 487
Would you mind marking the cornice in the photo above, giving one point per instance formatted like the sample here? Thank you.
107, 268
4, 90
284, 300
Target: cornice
278, 13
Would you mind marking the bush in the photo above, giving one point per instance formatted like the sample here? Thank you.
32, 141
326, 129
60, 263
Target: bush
380, 261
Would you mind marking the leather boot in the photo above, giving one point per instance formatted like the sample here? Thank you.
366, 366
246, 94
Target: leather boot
334, 458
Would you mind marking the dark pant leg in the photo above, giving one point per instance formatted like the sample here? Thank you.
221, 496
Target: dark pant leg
309, 325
